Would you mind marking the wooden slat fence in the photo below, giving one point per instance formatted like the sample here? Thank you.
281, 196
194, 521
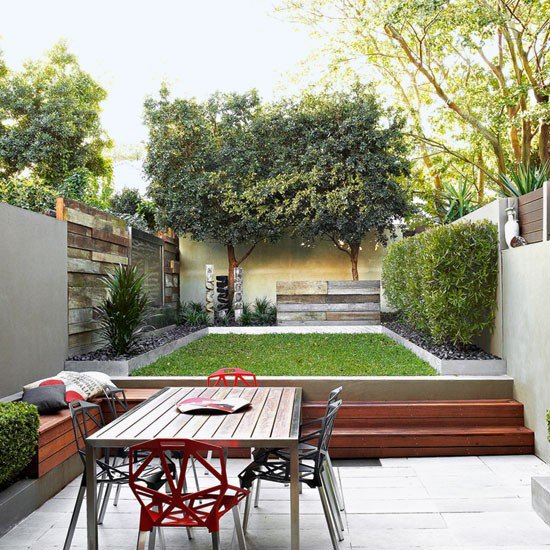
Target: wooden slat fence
328, 302
98, 241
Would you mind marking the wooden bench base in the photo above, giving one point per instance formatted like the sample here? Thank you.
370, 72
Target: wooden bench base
364, 429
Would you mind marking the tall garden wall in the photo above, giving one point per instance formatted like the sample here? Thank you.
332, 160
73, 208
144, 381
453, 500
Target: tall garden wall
33, 297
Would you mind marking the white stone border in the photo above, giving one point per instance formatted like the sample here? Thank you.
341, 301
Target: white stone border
466, 367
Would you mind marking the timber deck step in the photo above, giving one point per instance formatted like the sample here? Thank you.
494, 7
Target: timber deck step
385, 429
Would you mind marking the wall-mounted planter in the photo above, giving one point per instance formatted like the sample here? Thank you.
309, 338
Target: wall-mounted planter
466, 367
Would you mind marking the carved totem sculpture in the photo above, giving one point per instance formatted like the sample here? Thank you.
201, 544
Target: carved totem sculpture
222, 288
238, 302
210, 292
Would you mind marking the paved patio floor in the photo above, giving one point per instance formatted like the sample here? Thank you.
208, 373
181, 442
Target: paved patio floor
432, 503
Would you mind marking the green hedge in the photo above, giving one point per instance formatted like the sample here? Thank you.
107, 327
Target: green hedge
443, 282
19, 424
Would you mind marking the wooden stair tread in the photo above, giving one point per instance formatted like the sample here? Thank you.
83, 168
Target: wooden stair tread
488, 430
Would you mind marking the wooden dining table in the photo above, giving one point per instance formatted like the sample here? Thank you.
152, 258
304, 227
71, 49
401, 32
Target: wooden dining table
271, 421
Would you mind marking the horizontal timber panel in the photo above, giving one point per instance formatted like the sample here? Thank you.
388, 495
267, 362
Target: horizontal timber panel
81, 315
82, 297
530, 197
79, 229
102, 235
302, 287
532, 227
78, 253
302, 316
79, 265
109, 258
530, 217
384, 452
531, 238
86, 280
330, 299
534, 206
354, 316
76, 328
366, 306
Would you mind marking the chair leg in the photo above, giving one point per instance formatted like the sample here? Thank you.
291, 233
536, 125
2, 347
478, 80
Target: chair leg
247, 506
152, 538
257, 495
328, 517
194, 466
215, 540
142, 538
103, 508
117, 494
329, 488
336, 483
239, 528
74, 517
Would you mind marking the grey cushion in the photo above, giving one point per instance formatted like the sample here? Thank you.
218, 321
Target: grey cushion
48, 399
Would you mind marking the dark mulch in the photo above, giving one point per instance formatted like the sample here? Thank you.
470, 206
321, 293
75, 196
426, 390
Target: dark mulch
145, 345
443, 351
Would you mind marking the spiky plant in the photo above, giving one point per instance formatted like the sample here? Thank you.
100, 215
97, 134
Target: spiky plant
193, 314
524, 179
122, 315
457, 201
261, 313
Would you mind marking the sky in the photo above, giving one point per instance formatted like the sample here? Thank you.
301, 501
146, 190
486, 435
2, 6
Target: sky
130, 47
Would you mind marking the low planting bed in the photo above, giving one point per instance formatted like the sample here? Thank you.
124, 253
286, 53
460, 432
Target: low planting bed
313, 354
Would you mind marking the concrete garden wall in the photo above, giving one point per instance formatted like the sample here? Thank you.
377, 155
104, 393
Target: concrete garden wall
33, 297
286, 260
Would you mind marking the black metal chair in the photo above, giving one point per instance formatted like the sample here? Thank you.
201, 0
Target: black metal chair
87, 418
305, 447
274, 465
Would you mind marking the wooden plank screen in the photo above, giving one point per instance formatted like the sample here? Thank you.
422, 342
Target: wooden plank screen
328, 302
530, 216
98, 241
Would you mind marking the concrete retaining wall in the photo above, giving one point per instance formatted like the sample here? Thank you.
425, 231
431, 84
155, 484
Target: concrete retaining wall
33, 297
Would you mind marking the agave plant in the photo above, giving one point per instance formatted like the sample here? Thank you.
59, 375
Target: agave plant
456, 202
524, 179
123, 314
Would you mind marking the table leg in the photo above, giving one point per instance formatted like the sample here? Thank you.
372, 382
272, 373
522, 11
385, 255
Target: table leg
91, 497
294, 498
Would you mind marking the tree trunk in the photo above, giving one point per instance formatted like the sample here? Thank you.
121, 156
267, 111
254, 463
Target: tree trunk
354, 256
544, 142
232, 264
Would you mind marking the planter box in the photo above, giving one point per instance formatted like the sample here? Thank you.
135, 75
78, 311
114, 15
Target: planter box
126, 366
458, 367
466, 367
540, 497
25, 496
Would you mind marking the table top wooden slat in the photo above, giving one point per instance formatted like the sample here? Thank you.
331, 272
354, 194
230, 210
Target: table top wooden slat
274, 415
210, 427
128, 419
162, 416
246, 427
197, 422
173, 426
265, 423
281, 427
228, 427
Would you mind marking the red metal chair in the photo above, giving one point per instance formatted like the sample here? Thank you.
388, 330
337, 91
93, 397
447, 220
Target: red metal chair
175, 507
223, 376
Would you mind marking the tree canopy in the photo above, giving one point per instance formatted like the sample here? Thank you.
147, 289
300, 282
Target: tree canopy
337, 169
200, 162
50, 129
473, 76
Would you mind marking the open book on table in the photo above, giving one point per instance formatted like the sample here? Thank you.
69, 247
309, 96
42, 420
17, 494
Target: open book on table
203, 405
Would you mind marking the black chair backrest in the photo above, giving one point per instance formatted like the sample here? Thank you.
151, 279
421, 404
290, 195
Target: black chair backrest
116, 400
325, 434
86, 417
334, 395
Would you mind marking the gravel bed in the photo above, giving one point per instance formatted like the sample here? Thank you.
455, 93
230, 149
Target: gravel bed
443, 351
144, 345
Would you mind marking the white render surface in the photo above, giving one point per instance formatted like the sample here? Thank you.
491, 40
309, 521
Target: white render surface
438, 503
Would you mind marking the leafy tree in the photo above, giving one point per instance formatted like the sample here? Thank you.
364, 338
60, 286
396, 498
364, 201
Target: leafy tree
340, 158
50, 127
135, 209
473, 76
201, 163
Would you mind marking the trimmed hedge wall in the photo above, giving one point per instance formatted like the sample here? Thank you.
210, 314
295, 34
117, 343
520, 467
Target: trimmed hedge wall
443, 282
19, 423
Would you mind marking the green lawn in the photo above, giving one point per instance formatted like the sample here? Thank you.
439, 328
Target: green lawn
292, 355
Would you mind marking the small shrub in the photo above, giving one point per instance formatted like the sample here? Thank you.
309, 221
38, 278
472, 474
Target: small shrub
192, 314
28, 195
261, 313
123, 313
19, 424
443, 282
